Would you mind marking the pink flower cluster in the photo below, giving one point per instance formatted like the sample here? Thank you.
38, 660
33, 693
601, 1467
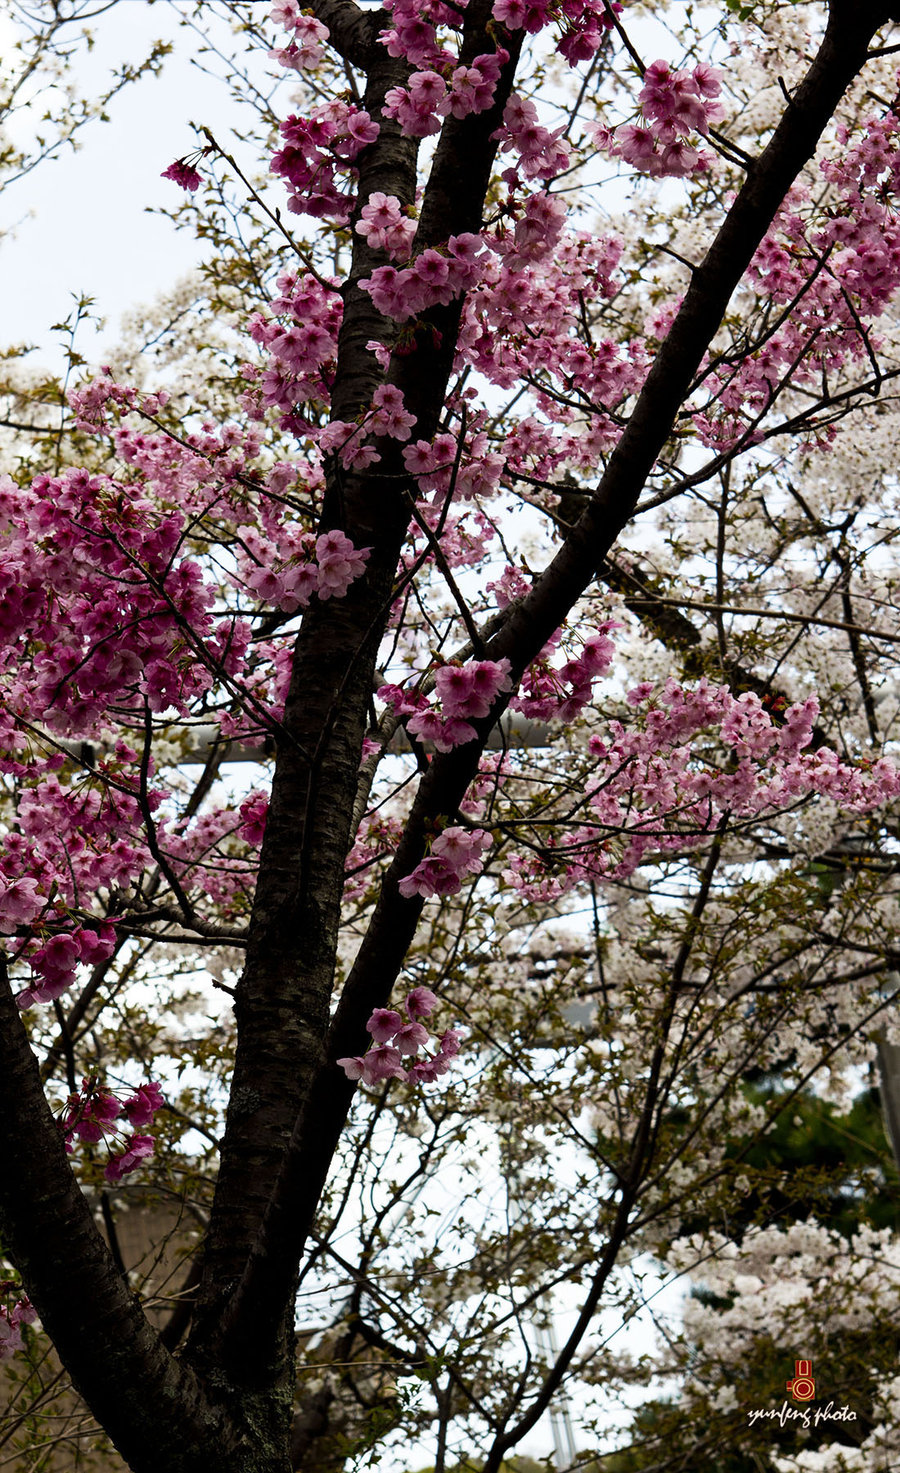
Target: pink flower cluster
542, 154
434, 276
319, 149
91, 1116
207, 864
413, 34
583, 25
300, 340
455, 854
436, 470
324, 565
304, 50
95, 399
538, 230
377, 838
674, 105
340, 563
657, 790
96, 594
184, 173
54, 963
583, 22
254, 811
466, 693
831, 279
420, 107
560, 694
12, 1318
384, 225
104, 611
396, 1038
387, 418
523, 324
20, 902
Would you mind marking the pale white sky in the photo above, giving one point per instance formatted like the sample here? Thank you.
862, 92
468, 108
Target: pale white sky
80, 222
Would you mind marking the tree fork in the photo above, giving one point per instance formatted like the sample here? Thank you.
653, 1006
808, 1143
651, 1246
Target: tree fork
534, 618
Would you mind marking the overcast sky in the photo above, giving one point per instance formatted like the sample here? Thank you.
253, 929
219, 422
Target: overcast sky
80, 222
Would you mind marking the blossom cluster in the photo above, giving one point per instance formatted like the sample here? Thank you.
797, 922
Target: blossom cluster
440, 468
324, 565
66, 843
413, 33
428, 98
655, 790
92, 1116
96, 599
106, 619
434, 276
12, 1318
542, 153
254, 812
377, 836
673, 106
395, 1039
387, 418
560, 694
773, 1277
456, 853
828, 280
305, 48
466, 693
318, 156
523, 323
53, 963
582, 23
184, 173
299, 338
384, 225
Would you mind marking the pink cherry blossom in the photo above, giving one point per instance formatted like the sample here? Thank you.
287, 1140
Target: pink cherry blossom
383, 1024
20, 902
254, 811
389, 417
384, 225
354, 1067
184, 174
137, 1148
381, 1063
143, 1104
305, 49
410, 1037
673, 105
285, 13
396, 1039
456, 854
340, 563
11, 1321
421, 1002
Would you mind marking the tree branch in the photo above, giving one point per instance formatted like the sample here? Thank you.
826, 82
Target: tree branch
155, 1409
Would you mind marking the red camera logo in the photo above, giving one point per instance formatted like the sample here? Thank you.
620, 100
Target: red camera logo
802, 1387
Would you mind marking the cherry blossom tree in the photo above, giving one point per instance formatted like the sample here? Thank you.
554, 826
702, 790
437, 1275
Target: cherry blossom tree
545, 567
